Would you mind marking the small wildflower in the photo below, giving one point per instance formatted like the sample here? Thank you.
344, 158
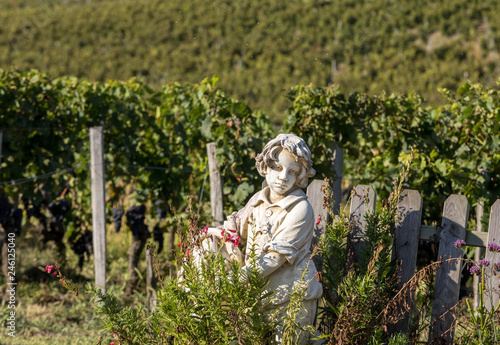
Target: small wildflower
55, 273
180, 244
204, 230
459, 243
484, 262
231, 237
475, 270
319, 220
493, 247
187, 254
49, 268
114, 343
235, 240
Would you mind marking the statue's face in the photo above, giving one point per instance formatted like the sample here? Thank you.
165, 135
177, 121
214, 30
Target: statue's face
281, 177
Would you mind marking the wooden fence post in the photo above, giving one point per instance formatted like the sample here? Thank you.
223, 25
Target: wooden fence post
150, 280
447, 285
338, 161
407, 234
315, 196
493, 283
98, 205
216, 196
363, 199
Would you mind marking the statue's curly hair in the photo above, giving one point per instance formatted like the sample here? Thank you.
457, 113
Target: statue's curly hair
293, 144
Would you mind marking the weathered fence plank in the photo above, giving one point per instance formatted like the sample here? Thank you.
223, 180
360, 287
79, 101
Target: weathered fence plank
150, 280
338, 162
454, 225
406, 242
315, 196
363, 200
98, 205
493, 282
216, 196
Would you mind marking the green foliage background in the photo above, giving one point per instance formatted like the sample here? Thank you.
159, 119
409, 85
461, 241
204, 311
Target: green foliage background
259, 48
456, 144
154, 141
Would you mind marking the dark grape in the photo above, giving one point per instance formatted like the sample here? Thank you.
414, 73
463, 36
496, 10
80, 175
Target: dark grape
117, 218
34, 211
5, 210
18, 219
135, 221
59, 209
82, 246
11, 218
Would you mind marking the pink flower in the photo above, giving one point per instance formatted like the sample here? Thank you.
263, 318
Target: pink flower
231, 237
113, 343
493, 247
475, 270
49, 269
319, 220
187, 254
204, 230
235, 240
179, 244
459, 243
484, 262
55, 273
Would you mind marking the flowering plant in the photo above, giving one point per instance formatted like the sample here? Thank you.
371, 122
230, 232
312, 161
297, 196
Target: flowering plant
481, 325
67, 283
230, 236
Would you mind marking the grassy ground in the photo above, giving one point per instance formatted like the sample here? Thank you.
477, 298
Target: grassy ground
45, 312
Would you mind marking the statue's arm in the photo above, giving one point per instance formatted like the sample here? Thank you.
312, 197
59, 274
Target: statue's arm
266, 264
288, 239
293, 233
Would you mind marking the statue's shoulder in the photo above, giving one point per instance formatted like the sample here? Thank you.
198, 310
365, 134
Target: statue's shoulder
306, 207
299, 204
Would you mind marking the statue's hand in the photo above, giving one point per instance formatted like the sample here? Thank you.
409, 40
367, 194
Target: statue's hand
215, 232
231, 223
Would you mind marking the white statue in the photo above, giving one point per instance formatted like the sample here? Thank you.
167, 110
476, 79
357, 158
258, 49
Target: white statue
278, 222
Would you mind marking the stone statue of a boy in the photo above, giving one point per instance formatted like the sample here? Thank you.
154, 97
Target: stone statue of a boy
278, 223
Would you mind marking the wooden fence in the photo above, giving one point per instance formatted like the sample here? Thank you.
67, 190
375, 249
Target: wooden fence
409, 231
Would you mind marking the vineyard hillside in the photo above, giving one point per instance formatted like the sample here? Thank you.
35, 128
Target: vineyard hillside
259, 49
